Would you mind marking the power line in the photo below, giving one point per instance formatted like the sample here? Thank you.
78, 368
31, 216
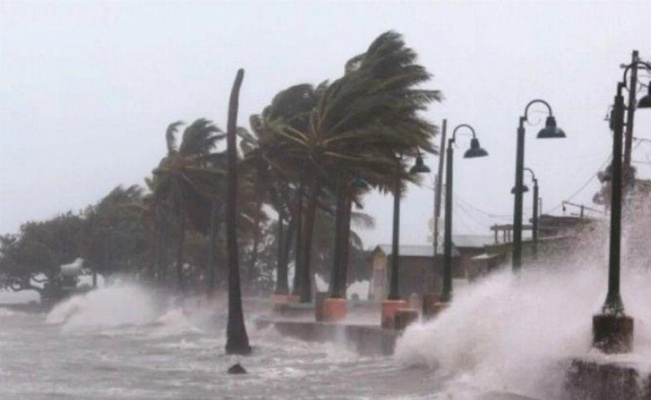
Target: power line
573, 195
492, 215
464, 215
463, 208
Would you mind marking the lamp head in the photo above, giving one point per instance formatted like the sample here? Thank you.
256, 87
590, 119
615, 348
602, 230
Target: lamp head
525, 189
550, 131
359, 183
645, 102
475, 150
419, 167
606, 175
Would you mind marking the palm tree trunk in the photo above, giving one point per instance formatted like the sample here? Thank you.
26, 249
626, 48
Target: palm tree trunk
256, 243
153, 242
160, 235
237, 341
282, 286
287, 248
310, 217
165, 245
345, 246
212, 267
336, 273
179, 254
298, 250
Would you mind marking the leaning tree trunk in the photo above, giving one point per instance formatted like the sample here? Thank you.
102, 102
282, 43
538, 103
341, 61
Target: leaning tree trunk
284, 260
237, 341
179, 255
256, 244
336, 271
163, 251
288, 240
282, 286
310, 217
153, 242
212, 235
345, 246
298, 250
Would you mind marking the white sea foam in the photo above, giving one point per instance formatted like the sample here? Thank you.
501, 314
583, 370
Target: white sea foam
6, 313
514, 333
106, 307
174, 322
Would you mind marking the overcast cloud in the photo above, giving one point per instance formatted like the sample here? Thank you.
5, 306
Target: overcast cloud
87, 89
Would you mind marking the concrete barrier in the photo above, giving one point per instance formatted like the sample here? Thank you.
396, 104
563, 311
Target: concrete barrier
596, 379
404, 317
588, 378
365, 340
295, 310
319, 299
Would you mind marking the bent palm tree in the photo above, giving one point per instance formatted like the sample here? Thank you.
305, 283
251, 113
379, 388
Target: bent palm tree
237, 341
278, 163
362, 122
183, 181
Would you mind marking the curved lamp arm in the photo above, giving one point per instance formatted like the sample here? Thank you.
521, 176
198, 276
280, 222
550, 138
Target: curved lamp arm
454, 132
634, 64
532, 102
533, 176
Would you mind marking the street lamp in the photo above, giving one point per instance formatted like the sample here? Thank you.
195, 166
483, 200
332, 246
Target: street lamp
474, 151
645, 102
550, 131
393, 302
534, 219
418, 168
613, 330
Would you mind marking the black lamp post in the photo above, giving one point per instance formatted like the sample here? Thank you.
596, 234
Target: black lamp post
644, 102
475, 151
550, 131
534, 219
419, 167
612, 329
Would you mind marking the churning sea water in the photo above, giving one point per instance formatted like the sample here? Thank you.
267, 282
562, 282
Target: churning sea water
115, 343
505, 334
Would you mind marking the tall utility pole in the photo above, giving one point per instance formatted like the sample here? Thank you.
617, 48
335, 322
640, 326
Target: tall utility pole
437, 197
630, 113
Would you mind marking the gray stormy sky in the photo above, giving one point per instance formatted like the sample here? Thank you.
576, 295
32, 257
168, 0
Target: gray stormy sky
87, 89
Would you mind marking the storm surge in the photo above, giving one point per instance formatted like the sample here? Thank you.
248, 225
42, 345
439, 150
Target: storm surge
106, 307
126, 305
517, 333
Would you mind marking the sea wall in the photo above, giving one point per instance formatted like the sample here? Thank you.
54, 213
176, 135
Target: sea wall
592, 379
366, 340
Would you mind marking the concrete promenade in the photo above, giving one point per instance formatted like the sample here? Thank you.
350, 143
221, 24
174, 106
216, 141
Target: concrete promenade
608, 378
366, 340
590, 377
360, 331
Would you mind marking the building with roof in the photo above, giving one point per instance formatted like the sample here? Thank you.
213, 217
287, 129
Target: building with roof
421, 268
420, 272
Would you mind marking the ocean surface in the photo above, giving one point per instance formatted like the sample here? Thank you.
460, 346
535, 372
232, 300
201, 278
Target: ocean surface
117, 344
503, 337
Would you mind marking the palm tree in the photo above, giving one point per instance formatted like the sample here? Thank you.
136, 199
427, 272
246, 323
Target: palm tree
360, 124
277, 163
237, 341
183, 182
268, 185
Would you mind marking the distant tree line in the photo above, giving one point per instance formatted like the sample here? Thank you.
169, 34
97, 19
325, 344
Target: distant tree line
299, 167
